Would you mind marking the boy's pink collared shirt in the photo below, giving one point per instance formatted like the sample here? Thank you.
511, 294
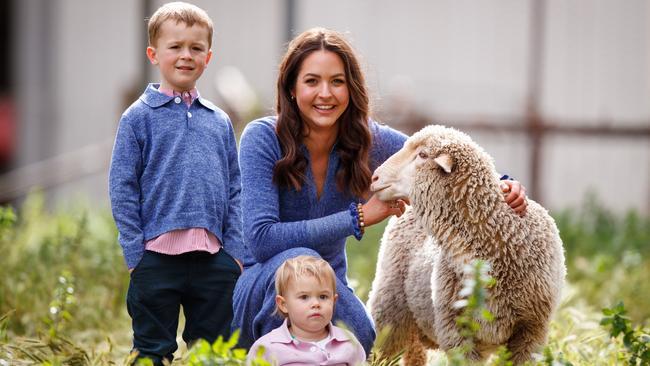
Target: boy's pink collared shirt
282, 349
187, 96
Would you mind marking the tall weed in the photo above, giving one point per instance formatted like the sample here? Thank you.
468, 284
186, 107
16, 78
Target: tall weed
38, 247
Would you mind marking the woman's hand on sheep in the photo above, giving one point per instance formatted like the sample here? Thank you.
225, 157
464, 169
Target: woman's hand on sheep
516, 197
376, 210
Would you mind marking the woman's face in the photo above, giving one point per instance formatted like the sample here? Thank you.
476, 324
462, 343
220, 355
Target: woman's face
321, 90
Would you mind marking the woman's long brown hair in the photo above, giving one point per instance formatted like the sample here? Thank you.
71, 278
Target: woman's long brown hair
353, 139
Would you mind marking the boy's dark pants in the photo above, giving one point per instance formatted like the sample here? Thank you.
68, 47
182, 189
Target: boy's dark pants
202, 282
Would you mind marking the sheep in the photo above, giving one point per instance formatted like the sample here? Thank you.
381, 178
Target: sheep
458, 214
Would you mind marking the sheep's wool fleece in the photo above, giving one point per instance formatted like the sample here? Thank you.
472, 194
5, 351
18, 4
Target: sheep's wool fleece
464, 213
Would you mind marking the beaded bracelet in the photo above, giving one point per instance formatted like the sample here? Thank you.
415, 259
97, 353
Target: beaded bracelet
362, 222
356, 211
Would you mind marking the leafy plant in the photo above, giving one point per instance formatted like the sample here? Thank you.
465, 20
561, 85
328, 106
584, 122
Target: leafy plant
52, 347
7, 220
636, 341
221, 353
607, 255
474, 312
37, 247
473, 296
552, 360
60, 306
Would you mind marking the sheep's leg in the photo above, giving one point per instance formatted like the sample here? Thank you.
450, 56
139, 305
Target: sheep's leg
419, 291
526, 339
390, 312
446, 285
405, 338
427, 342
386, 300
416, 353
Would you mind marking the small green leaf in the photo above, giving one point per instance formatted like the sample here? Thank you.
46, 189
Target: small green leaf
232, 342
487, 315
218, 346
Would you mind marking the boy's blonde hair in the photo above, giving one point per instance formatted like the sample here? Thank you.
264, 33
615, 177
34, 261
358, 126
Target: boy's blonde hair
179, 12
303, 265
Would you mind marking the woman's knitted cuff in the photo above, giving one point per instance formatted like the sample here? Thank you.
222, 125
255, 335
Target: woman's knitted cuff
356, 211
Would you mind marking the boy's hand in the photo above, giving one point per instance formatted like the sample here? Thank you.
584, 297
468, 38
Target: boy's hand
241, 266
131, 270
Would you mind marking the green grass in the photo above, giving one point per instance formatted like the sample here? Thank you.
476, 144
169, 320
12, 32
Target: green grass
64, 282
39, 251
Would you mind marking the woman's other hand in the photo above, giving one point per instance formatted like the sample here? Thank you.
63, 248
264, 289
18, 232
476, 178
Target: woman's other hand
516, 196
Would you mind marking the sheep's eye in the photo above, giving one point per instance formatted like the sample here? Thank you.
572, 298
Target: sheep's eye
423, 154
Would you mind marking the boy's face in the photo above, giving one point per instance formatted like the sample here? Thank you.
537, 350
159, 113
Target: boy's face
181, 53
310, 305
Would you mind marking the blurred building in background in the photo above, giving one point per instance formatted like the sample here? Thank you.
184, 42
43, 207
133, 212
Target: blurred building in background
558, 92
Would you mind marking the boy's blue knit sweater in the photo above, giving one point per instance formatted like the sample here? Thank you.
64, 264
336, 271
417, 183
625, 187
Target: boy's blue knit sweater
174, 167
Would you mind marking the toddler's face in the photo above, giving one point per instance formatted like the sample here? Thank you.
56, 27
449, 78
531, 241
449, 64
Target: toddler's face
310, 305
182, 54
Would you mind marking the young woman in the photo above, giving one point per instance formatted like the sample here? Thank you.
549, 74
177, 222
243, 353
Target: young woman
306, 176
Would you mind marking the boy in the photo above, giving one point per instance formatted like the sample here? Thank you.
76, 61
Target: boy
175, 193
306, 293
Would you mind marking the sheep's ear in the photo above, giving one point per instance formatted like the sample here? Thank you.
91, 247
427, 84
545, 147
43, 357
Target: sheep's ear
445, 161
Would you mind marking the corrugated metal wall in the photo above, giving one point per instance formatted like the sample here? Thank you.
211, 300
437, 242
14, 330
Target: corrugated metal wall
462, 63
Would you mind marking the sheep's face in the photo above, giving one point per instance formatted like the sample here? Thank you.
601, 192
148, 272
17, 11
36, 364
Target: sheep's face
437, 157
424, 154
394, 178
